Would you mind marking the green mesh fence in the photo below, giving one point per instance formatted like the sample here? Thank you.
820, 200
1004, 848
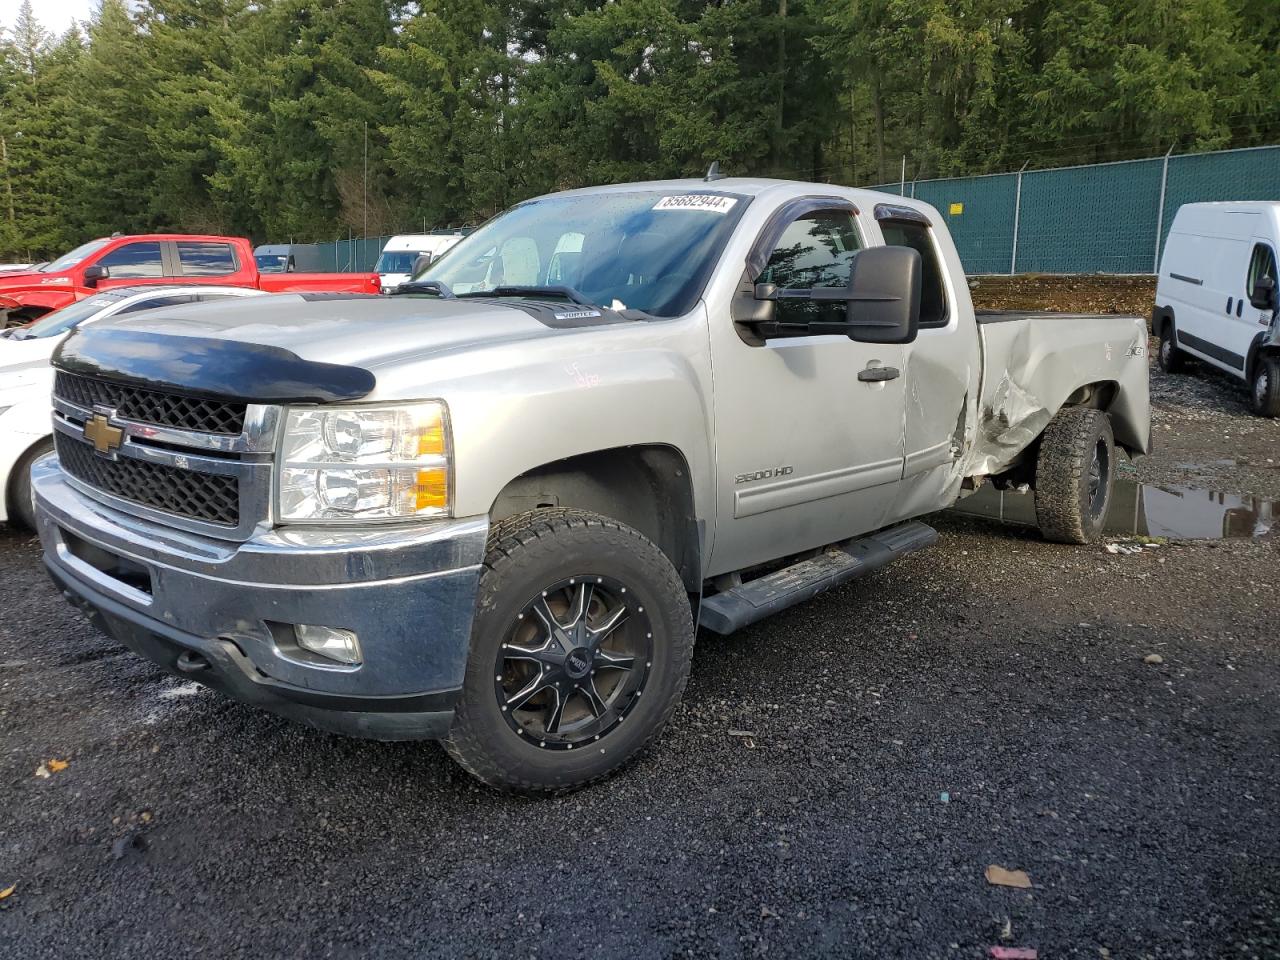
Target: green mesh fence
1103, 218
357, 255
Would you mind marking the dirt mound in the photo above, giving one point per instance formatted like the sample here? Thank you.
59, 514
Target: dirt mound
1077, 293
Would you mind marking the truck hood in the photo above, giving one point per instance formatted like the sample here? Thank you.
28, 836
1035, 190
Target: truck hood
306, 347
26, 281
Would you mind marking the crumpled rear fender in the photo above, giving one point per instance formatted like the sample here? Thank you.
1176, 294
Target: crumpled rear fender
1034, 366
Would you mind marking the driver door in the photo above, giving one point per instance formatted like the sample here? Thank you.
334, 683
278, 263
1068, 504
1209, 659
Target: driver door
808, 453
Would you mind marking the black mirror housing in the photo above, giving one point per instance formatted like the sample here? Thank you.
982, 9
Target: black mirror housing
884, 295
95, 272
1263, 295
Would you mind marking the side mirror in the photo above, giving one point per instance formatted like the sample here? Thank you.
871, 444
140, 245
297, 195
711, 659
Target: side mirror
421, 262
94, 273
1263, 295
884, 295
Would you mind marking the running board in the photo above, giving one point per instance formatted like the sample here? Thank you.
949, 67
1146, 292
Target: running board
754, 600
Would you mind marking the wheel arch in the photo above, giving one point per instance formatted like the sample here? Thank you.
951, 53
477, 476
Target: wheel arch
1257, 349
21, 464
1160, 316
1109, 397
647, 487
20, 316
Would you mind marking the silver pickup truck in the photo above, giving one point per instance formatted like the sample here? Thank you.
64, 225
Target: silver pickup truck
494, 508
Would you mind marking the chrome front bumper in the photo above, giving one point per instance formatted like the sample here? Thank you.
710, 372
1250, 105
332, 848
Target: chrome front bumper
222, 613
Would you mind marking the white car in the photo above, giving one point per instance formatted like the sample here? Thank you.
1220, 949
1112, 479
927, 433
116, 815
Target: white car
26, 378
395, 263
1216, 297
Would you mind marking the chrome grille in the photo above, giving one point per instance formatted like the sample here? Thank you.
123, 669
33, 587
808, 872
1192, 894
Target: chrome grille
209, 497
152, 406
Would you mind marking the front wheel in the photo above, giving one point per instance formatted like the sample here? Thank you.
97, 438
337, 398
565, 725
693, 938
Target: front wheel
1170, 358
579, 652
1264, 390
1075, 472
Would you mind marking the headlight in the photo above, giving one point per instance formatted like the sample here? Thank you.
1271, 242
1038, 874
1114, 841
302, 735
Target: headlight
364, 463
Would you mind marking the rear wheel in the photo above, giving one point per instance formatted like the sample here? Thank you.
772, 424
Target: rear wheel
579, 653
22, 508
1264, 388
1171, 359
1075, 472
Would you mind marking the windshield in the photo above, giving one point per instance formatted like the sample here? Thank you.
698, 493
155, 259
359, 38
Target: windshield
397, 261
69, 260
272, 262
60, 321
645, 250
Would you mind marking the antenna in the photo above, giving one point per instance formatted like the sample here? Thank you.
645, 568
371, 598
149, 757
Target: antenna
713, 173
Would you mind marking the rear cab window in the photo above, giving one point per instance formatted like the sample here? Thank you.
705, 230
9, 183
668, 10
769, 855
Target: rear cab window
934, 311
206, 259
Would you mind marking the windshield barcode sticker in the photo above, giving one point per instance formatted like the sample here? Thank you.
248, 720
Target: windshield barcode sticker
697, 201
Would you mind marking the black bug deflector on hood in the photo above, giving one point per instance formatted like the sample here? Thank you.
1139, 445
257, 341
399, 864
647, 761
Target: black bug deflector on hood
225, 369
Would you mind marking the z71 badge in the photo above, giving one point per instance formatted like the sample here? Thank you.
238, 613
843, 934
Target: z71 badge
764, 474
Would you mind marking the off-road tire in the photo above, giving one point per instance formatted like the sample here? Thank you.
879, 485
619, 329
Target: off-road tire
1264, 387
524, 555
1069, 508
1170, 358
21, 508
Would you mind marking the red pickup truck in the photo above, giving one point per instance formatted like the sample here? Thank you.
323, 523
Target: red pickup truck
156, 258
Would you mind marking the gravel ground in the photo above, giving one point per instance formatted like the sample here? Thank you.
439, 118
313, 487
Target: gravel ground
1006, 673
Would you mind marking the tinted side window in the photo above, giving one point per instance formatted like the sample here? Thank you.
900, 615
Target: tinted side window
933, 293
814, 251
1261, 264
206, 259
172, 301
140, 259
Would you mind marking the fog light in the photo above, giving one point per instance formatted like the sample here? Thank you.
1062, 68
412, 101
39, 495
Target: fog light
329, 642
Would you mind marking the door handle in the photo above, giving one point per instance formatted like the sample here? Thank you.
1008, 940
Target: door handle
1230, 300
878, 374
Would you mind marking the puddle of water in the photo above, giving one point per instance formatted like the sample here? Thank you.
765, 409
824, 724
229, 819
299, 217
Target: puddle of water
1146, 510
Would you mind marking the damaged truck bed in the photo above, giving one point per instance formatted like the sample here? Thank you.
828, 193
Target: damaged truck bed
1034, 363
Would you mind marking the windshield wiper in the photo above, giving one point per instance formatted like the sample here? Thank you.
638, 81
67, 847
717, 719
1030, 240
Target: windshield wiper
532, 291
438, 287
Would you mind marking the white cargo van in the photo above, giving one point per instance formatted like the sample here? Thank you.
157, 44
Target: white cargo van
1216, 295
395, 264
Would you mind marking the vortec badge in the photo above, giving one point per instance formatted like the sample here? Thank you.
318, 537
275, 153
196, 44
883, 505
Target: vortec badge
104, 437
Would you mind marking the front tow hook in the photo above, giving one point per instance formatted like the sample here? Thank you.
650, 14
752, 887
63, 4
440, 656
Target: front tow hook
189, 662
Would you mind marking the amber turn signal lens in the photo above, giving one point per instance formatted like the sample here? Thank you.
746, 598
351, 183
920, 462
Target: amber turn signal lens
431, 438
431, 488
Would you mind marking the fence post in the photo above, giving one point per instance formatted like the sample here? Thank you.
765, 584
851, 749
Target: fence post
1164, 182
902, 184
1017, 218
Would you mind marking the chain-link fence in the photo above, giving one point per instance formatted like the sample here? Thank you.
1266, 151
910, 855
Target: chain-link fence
1102, 218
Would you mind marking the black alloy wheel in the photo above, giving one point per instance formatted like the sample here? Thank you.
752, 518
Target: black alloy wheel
580, 649
1099, 471
574, 663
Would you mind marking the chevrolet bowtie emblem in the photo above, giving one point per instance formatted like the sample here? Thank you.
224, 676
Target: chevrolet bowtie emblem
104, 437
